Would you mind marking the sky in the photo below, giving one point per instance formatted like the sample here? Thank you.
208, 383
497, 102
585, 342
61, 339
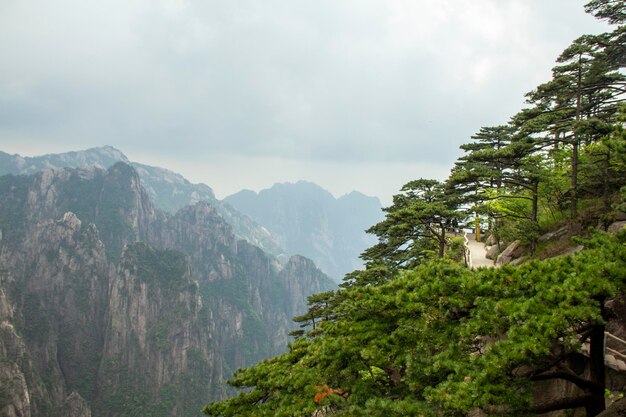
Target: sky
350, 94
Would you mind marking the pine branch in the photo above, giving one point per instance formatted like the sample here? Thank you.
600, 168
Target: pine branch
583, 383
562, 404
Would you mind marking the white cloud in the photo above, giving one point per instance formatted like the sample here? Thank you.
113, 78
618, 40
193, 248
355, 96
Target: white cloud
328, 84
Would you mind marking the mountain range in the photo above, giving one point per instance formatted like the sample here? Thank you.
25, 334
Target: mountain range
127, 290
168, 190
300, 218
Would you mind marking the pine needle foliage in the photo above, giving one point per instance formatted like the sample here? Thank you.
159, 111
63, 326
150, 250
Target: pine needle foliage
439, 340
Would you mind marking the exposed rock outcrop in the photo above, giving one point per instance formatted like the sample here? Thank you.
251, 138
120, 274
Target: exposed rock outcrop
555, 234
616, 227
75, 406
508, 254
168, 190
492, 252
109, 306
617, 409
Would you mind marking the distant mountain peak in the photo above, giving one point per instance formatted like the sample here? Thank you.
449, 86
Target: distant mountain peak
109, 150
308, 220
103, 153
101, 157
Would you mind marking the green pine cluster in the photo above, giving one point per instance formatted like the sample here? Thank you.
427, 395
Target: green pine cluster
417, 333
439, 340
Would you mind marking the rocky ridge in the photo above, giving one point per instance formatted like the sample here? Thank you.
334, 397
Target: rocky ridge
168, 190
111, 307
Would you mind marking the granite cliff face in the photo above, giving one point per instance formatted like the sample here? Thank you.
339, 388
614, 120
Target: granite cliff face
168, 190
110, 307
306, 219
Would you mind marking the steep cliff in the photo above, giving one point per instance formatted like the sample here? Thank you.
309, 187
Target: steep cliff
109, 307
168, 190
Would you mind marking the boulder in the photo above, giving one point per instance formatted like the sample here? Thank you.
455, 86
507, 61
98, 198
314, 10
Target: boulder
572, 250
554, 234
616, 227
491, 240
618, 408
492, 252
508, 254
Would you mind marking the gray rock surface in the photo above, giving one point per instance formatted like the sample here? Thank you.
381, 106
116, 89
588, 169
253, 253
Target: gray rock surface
168, 190
617, 409
76, 406
518, 261
616, 226
492, 252
134, 310
554, 234
508, 254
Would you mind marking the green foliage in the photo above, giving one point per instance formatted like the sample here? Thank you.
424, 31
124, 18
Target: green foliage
166, 268
281, 377
612, 10
438, 340
456, 249
416, 225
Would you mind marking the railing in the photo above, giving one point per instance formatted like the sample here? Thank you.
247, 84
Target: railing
617, 340
466, 252
613, 358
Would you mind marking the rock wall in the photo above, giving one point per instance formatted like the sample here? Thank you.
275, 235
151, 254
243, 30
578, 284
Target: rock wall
109, 307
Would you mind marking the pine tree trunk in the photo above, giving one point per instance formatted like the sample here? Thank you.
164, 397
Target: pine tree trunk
442, 242
576, 144
606, 195
534, 216
574, 200
596, 371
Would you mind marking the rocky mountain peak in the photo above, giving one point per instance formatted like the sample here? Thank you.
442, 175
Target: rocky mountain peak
168, 190
308, 220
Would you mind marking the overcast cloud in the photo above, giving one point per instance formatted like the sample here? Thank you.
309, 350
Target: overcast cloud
351, 94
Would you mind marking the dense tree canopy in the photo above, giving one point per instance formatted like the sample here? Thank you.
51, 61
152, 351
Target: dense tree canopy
443, 340
416, 224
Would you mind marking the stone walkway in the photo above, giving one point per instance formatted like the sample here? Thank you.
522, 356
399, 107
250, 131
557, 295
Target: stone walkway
477, 253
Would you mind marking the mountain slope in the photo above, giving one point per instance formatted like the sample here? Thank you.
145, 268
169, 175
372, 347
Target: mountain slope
102, 157
110, 305
169, 191
308, 220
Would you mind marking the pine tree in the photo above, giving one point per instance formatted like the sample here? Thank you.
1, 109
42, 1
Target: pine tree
416, 225
445, 340
576, 107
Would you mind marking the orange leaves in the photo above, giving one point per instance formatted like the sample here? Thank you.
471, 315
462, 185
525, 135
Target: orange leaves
323, 391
